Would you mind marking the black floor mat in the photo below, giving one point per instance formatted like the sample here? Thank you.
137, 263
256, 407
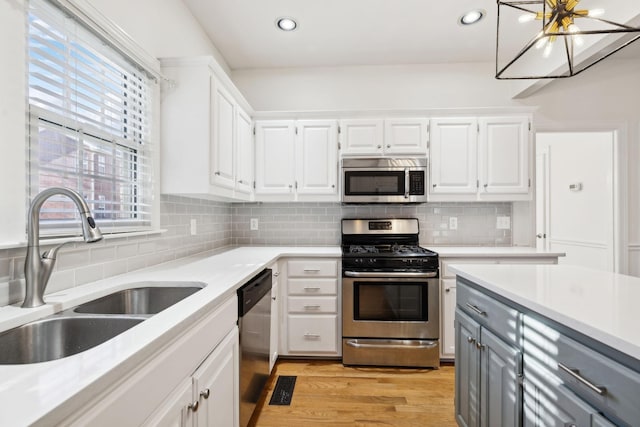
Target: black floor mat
283, 392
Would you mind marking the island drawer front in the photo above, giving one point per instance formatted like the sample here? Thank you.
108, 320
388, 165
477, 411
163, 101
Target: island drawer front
313, 304
498, 317
621, 398
313, 268
313, 287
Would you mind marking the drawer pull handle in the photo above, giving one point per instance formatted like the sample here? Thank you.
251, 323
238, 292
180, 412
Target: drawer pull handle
575, 373
312, 307
311, 288
471, 340
193, 406
311, 270
476, 309
312, 336
205, 393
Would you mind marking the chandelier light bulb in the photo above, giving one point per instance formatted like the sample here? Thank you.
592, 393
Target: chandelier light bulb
547, 50
526, 17
596, 12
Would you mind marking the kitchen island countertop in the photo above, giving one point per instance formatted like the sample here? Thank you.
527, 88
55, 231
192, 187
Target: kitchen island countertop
598, 304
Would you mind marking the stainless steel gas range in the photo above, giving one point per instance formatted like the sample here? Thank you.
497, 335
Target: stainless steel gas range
390, 295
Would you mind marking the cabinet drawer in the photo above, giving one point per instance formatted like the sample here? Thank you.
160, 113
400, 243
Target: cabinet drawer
313, 286
313, 333
313, 305
620, 385
498, 317
313, 268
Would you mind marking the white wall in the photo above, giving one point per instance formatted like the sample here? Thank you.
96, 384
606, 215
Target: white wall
374, 87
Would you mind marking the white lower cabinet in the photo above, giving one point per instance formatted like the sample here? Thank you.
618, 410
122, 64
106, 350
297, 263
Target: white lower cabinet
311, 309
192, 381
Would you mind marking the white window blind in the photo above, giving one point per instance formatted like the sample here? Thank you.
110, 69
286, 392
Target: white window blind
90, 125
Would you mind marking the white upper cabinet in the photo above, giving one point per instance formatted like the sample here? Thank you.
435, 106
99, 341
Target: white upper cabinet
297, 160
222, 144
275, 157
206, 135
485, 159
388, 137
406, 136
244, 153
453, 155
317, 157
361, 136
503, 161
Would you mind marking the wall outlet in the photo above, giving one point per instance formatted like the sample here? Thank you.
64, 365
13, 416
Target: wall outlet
453, 223
503, 223
194, 226
254, 223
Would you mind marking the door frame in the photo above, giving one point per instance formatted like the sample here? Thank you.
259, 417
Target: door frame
620, 183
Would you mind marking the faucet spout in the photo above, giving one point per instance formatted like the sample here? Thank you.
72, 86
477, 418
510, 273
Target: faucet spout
38, 268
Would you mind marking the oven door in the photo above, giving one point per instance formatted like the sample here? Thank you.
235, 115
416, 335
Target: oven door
390, 306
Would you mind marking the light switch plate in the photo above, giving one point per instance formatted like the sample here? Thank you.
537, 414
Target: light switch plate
503, 223
193, 226
254, 223
453, 223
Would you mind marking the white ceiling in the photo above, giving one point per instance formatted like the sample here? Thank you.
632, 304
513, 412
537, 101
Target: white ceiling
350, 32
346, 32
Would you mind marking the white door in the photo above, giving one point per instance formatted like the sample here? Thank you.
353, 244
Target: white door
275, 141
503, 155
317, 157
223, 137
406, 136
361, 136
578, 196
454, 145
244, 152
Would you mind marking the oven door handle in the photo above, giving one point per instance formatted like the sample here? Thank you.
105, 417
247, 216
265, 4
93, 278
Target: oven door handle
387, 274
416, 345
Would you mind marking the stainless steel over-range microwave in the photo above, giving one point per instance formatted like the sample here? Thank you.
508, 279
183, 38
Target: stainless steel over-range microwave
384, 180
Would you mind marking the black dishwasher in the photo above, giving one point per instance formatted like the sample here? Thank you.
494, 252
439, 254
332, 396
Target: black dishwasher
254, 313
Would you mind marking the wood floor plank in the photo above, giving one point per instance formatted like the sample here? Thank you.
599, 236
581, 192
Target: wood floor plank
328, 393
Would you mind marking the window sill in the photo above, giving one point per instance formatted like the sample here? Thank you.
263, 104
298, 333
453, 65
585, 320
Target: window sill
60, 240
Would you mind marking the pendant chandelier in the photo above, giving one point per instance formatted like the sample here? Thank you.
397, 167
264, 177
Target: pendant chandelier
560, 38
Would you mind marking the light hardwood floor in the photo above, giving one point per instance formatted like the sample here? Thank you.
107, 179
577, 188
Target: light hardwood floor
327, 393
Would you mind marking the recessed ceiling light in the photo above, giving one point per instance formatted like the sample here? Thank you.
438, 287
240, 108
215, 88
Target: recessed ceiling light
471, 17
286, 24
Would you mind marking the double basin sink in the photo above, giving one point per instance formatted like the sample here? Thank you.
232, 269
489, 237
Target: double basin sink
87, 325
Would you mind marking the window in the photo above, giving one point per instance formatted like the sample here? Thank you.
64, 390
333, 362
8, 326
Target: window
90, 121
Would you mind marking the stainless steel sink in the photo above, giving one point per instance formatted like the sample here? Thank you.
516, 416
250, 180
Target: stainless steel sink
141, 300
57, 337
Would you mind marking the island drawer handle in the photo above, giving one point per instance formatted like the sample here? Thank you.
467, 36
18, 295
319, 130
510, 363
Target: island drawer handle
476, 309
575, 373
311, 270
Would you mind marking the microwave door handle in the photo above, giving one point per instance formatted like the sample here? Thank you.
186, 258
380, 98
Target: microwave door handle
406, 183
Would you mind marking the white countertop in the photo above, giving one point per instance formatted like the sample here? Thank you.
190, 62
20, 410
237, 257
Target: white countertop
29, 393
598, 304
492, 252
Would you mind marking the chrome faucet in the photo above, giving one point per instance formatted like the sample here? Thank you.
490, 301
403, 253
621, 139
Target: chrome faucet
37, 268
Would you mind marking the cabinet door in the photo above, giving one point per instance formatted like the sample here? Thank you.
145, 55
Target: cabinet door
215, 385
174, 411
454, 156
467, 379
275, 142
500, 391
317, 157
448, 293
406, 136
244, 152
546, 405
504, 155
361, 136
222, 143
